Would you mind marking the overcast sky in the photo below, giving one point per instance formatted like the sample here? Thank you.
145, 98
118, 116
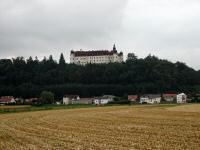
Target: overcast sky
169, 29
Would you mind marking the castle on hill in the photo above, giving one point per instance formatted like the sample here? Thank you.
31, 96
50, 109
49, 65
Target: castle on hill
96, 57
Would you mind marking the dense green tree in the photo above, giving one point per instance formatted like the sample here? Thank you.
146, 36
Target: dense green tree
28, 78
29, 60
131, 57
47, 97
62, 60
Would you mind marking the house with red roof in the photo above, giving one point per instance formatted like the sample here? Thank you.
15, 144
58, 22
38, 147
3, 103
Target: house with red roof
133, 98
150, 99
169, 97
7, 100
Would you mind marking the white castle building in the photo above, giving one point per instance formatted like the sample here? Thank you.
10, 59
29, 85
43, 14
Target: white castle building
96, 57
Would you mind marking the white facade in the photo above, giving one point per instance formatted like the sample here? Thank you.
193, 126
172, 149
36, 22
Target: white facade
150, 100
102, 101
82, 101
68, 99
144, 100
105, 59
181, 98
95, 57
155, 100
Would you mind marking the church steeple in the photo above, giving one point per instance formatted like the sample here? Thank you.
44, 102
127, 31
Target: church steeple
114, 48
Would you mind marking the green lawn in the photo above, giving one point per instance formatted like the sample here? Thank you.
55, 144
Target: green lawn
21, 108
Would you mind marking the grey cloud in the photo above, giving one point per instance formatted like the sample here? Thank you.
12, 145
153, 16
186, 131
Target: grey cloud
169, 29
38, 27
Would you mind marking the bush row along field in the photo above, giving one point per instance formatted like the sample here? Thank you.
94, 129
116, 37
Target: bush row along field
118, 127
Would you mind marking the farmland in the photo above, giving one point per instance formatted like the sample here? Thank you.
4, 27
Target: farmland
117, 127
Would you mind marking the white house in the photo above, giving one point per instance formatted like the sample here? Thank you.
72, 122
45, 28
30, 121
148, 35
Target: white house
144, 99
96, 57
103, 100
69, 98
181, 98
150, 99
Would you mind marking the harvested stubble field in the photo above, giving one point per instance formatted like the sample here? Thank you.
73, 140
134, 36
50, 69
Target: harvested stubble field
120, 127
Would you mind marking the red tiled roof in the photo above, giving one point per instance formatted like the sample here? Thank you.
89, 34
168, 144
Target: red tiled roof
132, 97
169, 95
6, 99
93, 53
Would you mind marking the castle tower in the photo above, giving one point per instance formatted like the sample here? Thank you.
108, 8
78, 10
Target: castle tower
114, 48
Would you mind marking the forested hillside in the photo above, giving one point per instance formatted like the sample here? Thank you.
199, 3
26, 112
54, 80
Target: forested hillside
27, 78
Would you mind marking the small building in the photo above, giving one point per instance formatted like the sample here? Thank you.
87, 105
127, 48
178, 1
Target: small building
150, 99
82, 101
67, 99
58, 103
31, 100
133, 98
169, 97
181, 98
19, 100
7, 100
103, 100
111, 97
144, 99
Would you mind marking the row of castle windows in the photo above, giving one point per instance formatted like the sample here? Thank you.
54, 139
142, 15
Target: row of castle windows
93, 58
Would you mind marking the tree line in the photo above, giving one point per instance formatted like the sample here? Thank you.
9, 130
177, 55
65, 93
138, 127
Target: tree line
28, 78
